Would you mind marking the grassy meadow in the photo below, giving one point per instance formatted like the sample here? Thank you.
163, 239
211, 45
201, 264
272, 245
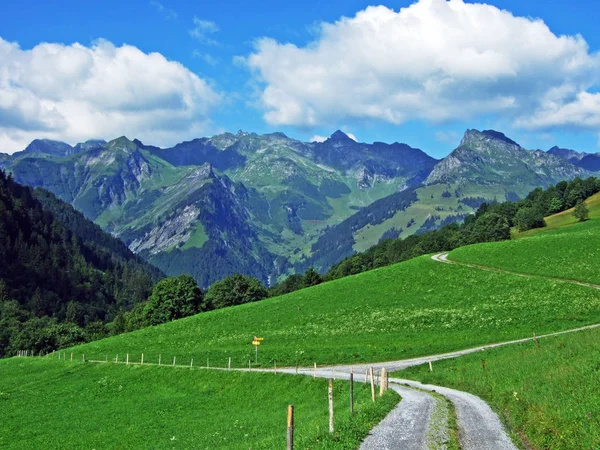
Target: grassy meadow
51, 404
414, 308
571, 252
549, 395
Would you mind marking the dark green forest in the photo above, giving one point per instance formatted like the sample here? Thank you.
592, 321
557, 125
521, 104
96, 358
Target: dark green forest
62, 279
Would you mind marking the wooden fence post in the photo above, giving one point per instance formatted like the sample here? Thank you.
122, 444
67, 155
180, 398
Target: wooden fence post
372, 384
71, 356
330, 395
290, 428
83, 358
192, 363
159, 356
315, 371
430, 367
229, 363
127, 359
142, 361
382, 378
174, 358
351, 391
275, 367
117, 358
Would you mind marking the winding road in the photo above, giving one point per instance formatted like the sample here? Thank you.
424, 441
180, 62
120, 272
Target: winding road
411, 425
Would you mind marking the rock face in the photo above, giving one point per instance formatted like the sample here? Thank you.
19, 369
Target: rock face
489, 157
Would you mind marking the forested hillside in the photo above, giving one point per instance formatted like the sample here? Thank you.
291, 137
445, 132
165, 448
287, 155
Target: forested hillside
61, 278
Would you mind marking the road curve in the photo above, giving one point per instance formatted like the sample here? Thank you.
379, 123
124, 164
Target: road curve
478, 426
443, 258
406, 427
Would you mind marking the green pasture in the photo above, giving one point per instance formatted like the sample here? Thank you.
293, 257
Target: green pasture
51, 404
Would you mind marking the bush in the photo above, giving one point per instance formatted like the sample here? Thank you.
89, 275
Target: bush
173, 298
235, 290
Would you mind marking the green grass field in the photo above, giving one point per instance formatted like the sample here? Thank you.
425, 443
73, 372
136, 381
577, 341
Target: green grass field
571, 252
51, 404
414, 308
548, 395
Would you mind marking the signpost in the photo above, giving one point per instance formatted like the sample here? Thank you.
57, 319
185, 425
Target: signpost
256, 342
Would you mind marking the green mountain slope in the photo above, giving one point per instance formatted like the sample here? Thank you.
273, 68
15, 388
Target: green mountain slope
269, 205
59, 268
571, 252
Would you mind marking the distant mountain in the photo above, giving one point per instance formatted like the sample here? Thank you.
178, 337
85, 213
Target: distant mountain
490, 158
269, 205
57, 148
587, 161
59, 267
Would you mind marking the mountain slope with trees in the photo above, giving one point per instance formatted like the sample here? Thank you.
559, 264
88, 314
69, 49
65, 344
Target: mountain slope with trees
61, 278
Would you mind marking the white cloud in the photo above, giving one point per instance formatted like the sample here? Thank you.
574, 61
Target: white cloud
73, 93
166, 12
582, 110
206, 57
435, 60
351, 136
447, 137
202, 31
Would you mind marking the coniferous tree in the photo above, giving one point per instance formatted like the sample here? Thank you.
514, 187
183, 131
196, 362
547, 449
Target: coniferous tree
581, 211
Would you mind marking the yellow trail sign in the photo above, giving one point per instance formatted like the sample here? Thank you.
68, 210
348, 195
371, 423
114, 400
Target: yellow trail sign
255, 342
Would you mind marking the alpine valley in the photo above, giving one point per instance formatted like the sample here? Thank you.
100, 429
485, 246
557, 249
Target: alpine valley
268, 205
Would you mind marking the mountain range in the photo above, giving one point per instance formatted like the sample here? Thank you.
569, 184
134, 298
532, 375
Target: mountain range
269, 205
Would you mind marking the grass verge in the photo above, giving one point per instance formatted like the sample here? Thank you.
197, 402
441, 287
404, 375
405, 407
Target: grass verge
548, 395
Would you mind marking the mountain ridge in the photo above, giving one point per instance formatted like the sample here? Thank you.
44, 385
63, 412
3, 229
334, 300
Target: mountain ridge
285, 201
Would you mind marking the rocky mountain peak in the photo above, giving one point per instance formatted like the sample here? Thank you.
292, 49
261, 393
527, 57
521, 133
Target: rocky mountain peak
340, 136
476, 139
122, 143
49, 147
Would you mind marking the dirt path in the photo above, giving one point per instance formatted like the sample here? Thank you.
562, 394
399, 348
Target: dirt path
443, 258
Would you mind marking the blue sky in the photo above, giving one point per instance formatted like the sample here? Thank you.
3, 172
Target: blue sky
217, 85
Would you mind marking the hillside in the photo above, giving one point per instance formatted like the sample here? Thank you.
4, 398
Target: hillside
564, 218
62, 277
268, 205
570, 251
413, 308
